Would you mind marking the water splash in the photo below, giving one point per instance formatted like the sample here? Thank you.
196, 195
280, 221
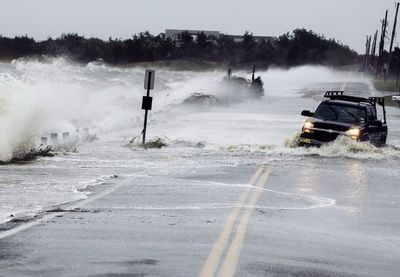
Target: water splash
54, 96
343, 147
19, 118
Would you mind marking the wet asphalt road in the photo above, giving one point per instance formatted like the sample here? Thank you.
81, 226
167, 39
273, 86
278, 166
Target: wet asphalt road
289, 215
303, 216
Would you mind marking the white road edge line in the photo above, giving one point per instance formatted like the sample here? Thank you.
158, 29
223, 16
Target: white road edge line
45, 218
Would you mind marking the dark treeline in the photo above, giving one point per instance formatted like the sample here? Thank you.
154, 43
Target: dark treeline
292, 49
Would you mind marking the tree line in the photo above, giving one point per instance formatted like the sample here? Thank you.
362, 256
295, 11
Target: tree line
291, 49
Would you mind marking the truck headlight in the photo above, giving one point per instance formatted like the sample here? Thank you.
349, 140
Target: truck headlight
307, 127
354, 133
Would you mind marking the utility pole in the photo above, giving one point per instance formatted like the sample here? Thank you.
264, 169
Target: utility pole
393, 35
367, 50
373, 50
381, 47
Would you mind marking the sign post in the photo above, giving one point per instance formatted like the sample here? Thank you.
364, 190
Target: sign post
147, 100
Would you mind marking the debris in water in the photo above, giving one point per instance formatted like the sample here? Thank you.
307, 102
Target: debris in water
200, 99
157, 143
31, 155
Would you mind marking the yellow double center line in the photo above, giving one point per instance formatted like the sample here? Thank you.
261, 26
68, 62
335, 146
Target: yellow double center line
246, 202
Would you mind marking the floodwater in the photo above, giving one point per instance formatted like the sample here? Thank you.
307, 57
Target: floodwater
98, 109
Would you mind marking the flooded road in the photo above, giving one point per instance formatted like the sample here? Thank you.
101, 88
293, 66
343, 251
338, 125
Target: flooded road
229, 194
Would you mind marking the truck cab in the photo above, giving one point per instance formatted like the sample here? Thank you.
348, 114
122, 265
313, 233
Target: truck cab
355, 117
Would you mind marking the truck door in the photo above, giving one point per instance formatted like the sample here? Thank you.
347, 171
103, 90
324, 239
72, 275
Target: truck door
374, 131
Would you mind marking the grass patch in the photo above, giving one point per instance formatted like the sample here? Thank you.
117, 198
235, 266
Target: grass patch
389, 85
389, 101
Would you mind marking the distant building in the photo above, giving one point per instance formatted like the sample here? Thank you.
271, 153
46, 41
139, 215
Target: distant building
174, 35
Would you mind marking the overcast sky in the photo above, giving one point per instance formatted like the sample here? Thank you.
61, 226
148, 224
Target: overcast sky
348, 21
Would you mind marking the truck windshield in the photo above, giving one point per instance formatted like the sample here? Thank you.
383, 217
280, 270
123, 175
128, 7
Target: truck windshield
340, 113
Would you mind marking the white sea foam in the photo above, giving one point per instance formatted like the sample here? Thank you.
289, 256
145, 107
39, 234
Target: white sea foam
343, 147
55, 95
39, 98
19, 118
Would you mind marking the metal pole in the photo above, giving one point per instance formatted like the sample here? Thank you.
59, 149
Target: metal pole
372, 57
367, 50
381, 47
146, 111
392, 38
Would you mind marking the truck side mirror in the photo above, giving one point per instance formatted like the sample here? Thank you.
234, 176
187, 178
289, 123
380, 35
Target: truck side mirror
307, 113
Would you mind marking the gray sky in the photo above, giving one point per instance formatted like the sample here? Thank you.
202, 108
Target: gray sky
348, 21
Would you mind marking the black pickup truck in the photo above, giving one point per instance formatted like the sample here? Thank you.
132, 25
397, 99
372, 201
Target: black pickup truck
346, 115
